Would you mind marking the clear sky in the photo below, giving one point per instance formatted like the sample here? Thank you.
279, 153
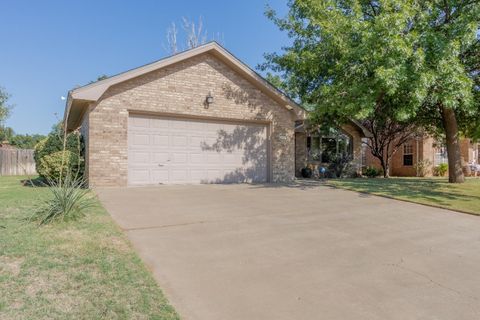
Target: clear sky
48, 47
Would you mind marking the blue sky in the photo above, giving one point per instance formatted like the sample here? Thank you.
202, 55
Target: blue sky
49, 47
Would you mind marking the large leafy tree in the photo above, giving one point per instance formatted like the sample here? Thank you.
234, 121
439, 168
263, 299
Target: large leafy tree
450, 40
351, 58
26, 141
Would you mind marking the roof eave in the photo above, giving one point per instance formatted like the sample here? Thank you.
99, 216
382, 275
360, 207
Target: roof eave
94, 91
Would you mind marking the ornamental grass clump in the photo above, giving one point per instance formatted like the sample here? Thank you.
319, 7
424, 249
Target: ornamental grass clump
68, 200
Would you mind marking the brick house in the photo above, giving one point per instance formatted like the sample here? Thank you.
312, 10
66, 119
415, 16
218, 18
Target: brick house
403, 163
201, 116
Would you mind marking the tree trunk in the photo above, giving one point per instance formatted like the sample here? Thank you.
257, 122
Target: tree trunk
455, 172
384, 164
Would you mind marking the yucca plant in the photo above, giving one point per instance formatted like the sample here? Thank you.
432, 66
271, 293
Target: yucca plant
69, 196
68, 200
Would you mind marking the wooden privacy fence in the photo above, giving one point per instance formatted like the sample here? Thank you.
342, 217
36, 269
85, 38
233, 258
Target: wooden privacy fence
14, 162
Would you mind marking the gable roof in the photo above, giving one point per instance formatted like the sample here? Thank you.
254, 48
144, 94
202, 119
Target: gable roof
79, 98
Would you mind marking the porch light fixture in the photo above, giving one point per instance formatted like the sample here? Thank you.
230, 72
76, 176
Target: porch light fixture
208, 100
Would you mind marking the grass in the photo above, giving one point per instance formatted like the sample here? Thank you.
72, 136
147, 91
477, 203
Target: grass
430, 191
85, 269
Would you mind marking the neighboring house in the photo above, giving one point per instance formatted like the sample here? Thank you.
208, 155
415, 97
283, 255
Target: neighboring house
423, 149
201, 116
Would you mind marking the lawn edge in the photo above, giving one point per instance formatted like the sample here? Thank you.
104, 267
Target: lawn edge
327, 183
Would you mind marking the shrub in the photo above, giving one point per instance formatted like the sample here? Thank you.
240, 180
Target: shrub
60, 164
54, 144
69, 200
372, 172
422, 167
307, 172
441, 170
339, 164
40, 151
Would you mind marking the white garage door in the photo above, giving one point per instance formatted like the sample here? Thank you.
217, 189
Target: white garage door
175, 150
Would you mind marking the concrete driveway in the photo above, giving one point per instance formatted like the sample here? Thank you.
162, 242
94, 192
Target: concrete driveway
301, 252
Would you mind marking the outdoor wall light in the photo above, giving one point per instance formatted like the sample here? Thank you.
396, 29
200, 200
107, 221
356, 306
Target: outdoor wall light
208, 100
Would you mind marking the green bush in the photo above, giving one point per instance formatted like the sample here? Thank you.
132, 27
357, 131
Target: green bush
441, 170
49, 168
422, 167
372, 172
59, 164
307, 172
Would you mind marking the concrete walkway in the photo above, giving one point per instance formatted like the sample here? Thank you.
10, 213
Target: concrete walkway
301, 252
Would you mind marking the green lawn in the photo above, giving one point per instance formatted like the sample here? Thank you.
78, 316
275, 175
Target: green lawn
78, 270
431, 191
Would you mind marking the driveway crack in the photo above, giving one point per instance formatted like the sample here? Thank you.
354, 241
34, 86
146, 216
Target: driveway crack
401, 265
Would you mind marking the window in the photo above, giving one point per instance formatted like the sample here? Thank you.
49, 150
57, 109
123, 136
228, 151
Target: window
478, 153
440, 155
325, 148
408, 155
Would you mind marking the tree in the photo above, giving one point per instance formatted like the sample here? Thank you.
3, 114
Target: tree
388, 136
6, 133
5, 108
194, 34
451, 43
26, 141
351, 58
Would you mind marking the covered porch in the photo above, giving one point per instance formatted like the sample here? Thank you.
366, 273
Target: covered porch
316, 148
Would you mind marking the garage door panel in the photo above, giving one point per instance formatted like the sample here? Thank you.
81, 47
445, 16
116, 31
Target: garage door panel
139, 123
197, 158
196, 142
213, 175
159, 157
233, 158
159, 124
139, 139
160, 140
178, 124
179, 175
178, 158
139, 176
168, 150
214, 158
140, 158
159, 176
179, 141
198, 175
197, 126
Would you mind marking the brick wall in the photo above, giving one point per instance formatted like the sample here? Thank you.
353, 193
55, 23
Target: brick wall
351, 130
181, 89
300, 152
